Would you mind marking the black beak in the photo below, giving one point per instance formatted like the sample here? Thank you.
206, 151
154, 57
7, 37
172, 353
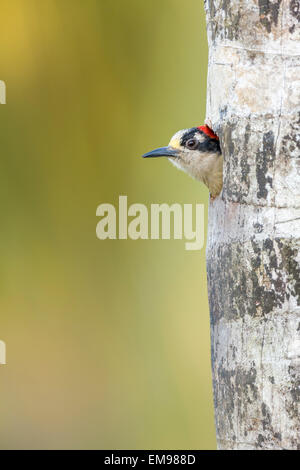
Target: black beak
162, 152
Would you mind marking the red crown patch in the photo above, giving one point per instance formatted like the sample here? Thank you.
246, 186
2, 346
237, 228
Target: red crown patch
208, 131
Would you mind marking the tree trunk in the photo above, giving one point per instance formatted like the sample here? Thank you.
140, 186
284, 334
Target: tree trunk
253, 249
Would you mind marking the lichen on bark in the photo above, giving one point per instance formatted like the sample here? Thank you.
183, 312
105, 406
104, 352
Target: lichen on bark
253, 250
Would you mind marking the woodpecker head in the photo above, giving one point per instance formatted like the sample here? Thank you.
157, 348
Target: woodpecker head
197, 152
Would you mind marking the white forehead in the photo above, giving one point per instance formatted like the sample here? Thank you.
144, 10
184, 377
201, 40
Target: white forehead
176, 139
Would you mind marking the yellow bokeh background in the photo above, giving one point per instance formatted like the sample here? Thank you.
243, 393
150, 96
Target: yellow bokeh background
107, 341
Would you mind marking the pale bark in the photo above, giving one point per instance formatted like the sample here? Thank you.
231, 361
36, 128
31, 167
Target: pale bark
253, 250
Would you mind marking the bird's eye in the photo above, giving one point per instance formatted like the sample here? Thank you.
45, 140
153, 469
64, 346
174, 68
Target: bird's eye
192, 144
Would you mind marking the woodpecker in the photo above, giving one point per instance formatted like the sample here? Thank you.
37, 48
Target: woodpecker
197, 152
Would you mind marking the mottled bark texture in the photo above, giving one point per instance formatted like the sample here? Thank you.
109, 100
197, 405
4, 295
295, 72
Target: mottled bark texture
253, 248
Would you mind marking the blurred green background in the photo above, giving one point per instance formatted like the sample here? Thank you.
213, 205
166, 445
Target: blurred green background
107, 341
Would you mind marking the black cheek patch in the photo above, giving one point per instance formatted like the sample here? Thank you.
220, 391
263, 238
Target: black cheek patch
209, 145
